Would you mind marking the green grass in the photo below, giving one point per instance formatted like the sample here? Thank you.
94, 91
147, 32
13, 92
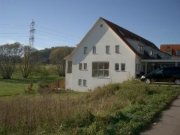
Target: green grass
124, 109
17, 85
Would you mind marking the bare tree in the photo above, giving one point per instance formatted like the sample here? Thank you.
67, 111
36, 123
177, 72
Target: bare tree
10, 54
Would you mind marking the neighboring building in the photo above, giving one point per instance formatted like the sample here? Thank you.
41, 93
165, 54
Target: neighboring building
172, 49
109, 54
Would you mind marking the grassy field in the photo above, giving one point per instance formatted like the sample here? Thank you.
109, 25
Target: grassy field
17, 85
125, 108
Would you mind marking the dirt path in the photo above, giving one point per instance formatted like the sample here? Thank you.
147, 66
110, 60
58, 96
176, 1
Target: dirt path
169, 123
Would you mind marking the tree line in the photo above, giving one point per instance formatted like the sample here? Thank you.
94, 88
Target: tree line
16, 54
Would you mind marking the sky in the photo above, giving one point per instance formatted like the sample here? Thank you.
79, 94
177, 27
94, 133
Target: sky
65, 22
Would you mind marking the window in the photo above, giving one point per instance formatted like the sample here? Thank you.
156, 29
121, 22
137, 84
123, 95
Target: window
116, 66
100, 69
178, 52
117, 49
85, 66
79, 82
141, 48
85, 50
107, 49
69, 70
94, 50
84, 82
151, 53
123, 66
80, 66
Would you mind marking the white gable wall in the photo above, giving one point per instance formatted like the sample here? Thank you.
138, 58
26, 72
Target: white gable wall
100, 37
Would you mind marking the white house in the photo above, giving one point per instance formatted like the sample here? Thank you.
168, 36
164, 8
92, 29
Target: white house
108, 54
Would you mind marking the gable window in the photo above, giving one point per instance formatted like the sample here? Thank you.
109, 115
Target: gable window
141, 48
85, 66
69, 67
94, 50
79, 82
80, 66
116, 66
123, 66
151, 53
100, 69
117, 49
107, 49
85, 50
84, 83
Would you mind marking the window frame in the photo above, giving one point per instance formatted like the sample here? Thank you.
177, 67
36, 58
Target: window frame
94, 49
80, 66
100, 69
69, 67
80, 82
107, 49
85, 66
117, 49
85, 83
123, 67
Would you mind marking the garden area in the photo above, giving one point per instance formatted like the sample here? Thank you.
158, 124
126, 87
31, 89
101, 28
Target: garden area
125, 108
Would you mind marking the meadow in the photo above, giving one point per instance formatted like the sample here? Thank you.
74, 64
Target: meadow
125, 108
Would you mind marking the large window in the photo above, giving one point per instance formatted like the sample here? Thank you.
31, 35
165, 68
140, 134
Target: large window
107, 49
100, 69
69, 70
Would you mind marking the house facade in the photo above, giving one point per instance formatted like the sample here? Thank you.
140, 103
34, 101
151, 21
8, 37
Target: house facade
108, 54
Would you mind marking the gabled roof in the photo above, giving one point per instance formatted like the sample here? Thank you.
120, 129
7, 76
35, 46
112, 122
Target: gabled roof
125, 35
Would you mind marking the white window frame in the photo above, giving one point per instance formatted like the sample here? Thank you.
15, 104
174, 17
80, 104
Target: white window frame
84, 83
80, 66
99, 69
107, 49
94, 49
80, 82
123, 67
117, 49
85, 66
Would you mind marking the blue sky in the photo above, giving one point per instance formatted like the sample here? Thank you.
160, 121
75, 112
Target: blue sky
65, 22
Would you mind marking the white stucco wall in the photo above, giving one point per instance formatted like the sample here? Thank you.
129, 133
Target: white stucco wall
100, 37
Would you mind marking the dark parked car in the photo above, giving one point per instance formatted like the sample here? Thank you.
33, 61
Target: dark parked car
166, 74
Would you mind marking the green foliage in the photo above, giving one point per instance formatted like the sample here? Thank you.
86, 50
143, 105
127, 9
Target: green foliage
124, 109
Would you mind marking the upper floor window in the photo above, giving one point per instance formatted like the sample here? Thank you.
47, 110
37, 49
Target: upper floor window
85, 50
80, 66
117, 47
178, 52
151, 53
85, 66
141, 48
94, 50
69, 67
107, 49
